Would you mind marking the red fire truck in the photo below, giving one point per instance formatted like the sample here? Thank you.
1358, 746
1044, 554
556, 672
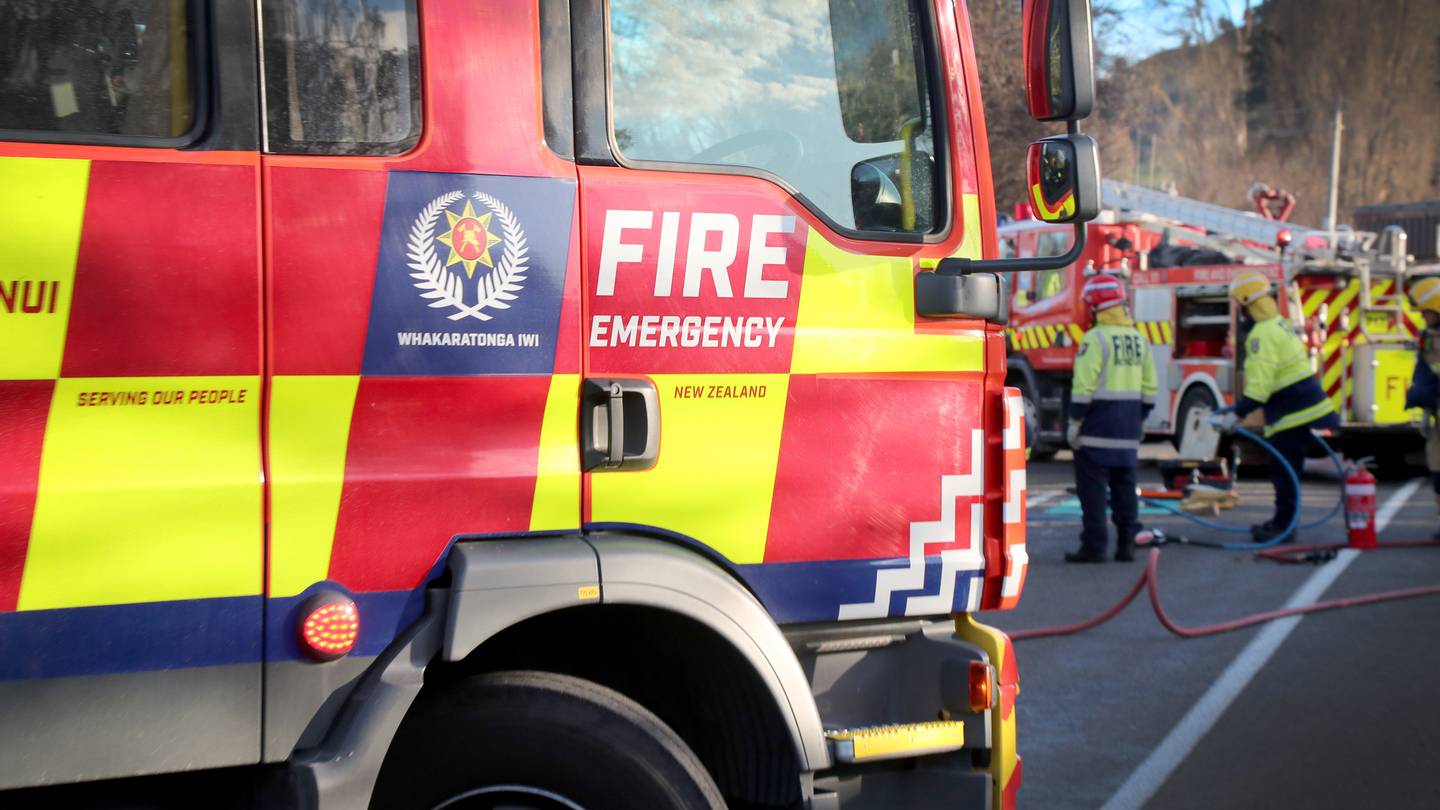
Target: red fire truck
1180, 256
533, 403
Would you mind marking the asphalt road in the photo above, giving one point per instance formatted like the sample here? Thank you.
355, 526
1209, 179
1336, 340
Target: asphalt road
1335, 710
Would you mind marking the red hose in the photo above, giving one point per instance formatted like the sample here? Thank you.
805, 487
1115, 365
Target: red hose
1297, 554
1150, 579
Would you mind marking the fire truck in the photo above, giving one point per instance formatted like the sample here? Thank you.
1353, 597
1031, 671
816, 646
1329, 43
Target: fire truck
533, 403
1345, 293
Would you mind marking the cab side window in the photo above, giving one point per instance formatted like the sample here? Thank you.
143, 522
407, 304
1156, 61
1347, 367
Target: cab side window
101, 71
830, 97
341, 78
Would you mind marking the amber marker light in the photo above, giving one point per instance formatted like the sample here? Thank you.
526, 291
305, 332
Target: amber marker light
329, 626
981, 687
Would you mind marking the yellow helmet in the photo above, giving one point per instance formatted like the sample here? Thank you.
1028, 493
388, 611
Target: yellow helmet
1426, 294
1247, 288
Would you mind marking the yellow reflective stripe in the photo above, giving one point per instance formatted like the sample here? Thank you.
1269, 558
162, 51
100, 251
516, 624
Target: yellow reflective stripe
1300, 417
146, 501
849, 321
1292, 375
1047, 213
1076, 333
970, 247
42, 208
712, 484
309, 435
1343, 302
557, 479
1167, 336
1310, 302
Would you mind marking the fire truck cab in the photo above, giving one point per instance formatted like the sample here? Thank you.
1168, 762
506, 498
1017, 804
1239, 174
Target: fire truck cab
532, 403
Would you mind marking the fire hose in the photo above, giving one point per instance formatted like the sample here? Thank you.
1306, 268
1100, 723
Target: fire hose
1150, 581
1290, 529
1150, 578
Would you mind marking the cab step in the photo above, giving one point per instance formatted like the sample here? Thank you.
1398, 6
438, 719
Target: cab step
876, 743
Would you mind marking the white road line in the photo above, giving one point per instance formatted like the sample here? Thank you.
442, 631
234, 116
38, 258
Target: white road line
1042, 498
1182, 739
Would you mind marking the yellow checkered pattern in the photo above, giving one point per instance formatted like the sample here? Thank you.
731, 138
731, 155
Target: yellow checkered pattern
154, 499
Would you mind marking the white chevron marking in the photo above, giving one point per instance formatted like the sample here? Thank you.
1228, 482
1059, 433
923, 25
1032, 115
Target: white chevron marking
952, 561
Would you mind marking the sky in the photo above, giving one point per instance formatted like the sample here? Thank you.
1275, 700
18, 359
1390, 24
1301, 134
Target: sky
1142, 24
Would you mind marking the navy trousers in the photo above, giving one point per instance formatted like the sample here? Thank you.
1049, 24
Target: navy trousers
1293, 445
1092, 481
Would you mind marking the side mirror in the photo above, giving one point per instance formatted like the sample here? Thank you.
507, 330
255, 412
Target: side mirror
1063, 173
1059, 60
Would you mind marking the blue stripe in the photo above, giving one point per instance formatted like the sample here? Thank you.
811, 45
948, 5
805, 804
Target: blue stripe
111, 639
129, 638
175, 635
814, 591
794, 592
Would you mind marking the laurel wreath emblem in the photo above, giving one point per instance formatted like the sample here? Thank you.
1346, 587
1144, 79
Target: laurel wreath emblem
442, 288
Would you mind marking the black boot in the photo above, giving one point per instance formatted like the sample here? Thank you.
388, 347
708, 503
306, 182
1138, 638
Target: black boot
1125, 551
1085, 555
1267, 531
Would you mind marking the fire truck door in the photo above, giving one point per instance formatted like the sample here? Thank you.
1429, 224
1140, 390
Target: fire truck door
752, 223
131, 528
425, 298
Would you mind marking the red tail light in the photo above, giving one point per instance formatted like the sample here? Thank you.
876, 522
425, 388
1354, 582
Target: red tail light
329, 626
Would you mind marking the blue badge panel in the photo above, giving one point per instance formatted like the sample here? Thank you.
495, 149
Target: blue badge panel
470, 275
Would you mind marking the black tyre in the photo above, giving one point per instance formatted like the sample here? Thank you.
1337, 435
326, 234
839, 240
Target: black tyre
1039, 450
539, 741
1197, 396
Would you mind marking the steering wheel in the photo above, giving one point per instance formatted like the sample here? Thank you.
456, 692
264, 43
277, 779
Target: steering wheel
787, 149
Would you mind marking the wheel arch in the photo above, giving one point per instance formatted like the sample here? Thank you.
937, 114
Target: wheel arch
501, 589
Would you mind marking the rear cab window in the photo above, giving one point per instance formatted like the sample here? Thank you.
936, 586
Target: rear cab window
341, 78
832, 99
117, 72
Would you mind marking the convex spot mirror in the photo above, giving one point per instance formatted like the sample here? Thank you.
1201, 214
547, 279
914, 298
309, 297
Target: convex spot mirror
891, 192
1059, 60
1063, 175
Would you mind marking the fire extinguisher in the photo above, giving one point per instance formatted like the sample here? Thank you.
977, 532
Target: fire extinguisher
1360, 505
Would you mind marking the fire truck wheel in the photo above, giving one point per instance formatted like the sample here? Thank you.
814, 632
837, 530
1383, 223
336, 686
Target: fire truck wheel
1039, 450
1197, 396
539, 741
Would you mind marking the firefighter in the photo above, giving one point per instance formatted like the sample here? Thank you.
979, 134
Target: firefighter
1279, 379
1424, 392
1111, 393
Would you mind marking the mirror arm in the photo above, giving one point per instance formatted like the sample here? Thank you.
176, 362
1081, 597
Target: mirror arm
964, 267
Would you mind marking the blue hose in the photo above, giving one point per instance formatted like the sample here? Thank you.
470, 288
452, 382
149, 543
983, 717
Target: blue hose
1294, 519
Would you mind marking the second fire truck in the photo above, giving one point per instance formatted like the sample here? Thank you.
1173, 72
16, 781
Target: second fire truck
1179, 255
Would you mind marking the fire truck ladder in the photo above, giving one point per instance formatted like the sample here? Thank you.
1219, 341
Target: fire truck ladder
1216, 219
1234, 232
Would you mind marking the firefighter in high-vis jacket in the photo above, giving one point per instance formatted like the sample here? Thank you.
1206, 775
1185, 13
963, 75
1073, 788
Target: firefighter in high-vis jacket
1280, 379
1111, 393
1424, 390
